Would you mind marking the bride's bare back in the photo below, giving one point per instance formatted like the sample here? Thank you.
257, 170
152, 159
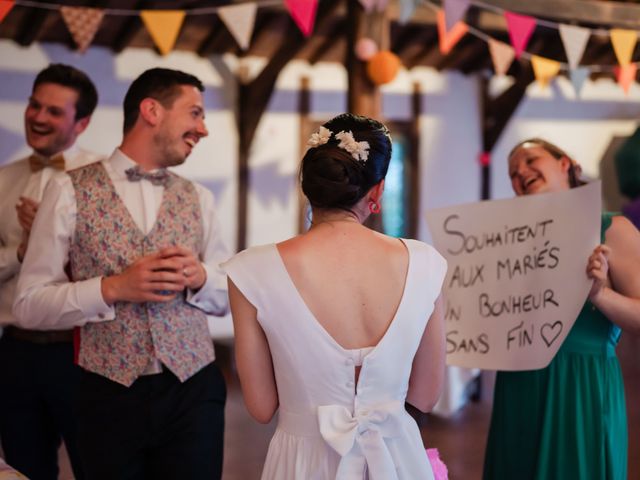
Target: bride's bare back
351, 278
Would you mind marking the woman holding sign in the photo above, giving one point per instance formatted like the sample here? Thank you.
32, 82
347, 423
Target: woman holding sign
568, 420
337, 327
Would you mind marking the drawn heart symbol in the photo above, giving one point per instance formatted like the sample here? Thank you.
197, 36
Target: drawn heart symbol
550, 331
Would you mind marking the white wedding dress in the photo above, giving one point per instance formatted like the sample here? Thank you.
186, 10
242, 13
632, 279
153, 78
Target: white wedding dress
329, 427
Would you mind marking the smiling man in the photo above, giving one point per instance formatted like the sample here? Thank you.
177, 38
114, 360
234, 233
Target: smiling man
37, 374
137, 250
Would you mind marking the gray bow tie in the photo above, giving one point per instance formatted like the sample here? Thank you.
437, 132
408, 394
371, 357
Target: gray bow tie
159, 177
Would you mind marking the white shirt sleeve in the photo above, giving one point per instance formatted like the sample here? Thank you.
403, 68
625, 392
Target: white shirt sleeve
212, 297
45, 297
9, 264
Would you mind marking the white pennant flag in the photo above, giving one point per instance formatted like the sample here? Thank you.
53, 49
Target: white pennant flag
574, 40
240, 20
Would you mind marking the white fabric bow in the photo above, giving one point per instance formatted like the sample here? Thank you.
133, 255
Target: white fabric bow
359, 438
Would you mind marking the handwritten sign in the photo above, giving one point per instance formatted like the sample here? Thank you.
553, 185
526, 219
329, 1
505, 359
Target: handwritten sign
517, 275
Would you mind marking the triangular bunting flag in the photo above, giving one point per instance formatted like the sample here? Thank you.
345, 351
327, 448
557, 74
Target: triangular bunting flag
454, 11
240, 20
407, 7
163, 26
381, 5
520, 30
502, 56
448, 39
83, 23
544, 69
5, 8
574, 40
626, 76
303, 13
624, 41
367, 5
578, 77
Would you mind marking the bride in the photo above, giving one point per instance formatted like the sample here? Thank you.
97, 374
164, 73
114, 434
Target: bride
337, 327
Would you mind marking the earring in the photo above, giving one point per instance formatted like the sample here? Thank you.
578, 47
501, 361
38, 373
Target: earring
374, 207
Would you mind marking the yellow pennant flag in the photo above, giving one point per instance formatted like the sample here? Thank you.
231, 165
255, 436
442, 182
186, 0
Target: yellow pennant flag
163, 26
544, 69
624, 41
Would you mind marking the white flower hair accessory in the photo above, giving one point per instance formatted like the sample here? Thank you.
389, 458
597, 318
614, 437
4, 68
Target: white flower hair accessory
320, 137
358, 150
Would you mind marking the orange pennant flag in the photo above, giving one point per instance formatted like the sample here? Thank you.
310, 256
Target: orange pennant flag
5, 8
624, 41
83, 23
544, 69
163, 26
626, 76
448, 39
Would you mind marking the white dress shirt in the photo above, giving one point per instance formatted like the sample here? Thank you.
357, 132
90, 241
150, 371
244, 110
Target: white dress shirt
47, 299
17, 180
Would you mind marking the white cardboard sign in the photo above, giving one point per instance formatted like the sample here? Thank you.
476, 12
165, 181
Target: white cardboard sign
517, 275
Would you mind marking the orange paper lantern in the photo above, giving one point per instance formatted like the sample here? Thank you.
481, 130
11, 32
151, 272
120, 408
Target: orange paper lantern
383, 67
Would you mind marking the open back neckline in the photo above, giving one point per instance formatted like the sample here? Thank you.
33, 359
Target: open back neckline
321, 327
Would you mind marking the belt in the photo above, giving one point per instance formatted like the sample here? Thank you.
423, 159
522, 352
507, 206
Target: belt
41, 337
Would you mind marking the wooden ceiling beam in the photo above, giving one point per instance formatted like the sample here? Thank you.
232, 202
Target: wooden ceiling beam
216, 32
597, 12
31, 26
425, 50
478, 59
461, 48
130, 27
407, 38
330, 40
262, 33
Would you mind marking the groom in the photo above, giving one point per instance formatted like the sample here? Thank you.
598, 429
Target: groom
143, 248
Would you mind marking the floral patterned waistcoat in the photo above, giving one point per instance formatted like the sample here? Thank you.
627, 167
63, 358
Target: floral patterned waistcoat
106, 242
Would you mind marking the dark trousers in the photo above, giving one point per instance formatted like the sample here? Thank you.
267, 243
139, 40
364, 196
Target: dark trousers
158, 428
38, 384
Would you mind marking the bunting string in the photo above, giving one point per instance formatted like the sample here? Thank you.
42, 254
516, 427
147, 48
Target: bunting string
564, 66
164, 28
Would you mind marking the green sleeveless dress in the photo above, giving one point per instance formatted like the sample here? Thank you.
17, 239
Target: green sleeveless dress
568, 420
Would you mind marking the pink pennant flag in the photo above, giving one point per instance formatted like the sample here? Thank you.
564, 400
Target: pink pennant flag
520, 29
381, 5
83, 23
626, 75
303, 13
368, 5
454, 11
5, 8
502, 56
448, 39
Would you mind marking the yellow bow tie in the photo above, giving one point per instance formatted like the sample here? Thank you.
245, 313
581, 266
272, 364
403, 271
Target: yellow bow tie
37, 162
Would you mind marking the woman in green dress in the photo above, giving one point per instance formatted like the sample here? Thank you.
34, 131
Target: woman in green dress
568, 420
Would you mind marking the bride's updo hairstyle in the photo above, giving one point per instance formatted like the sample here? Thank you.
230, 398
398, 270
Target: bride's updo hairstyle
348, 156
